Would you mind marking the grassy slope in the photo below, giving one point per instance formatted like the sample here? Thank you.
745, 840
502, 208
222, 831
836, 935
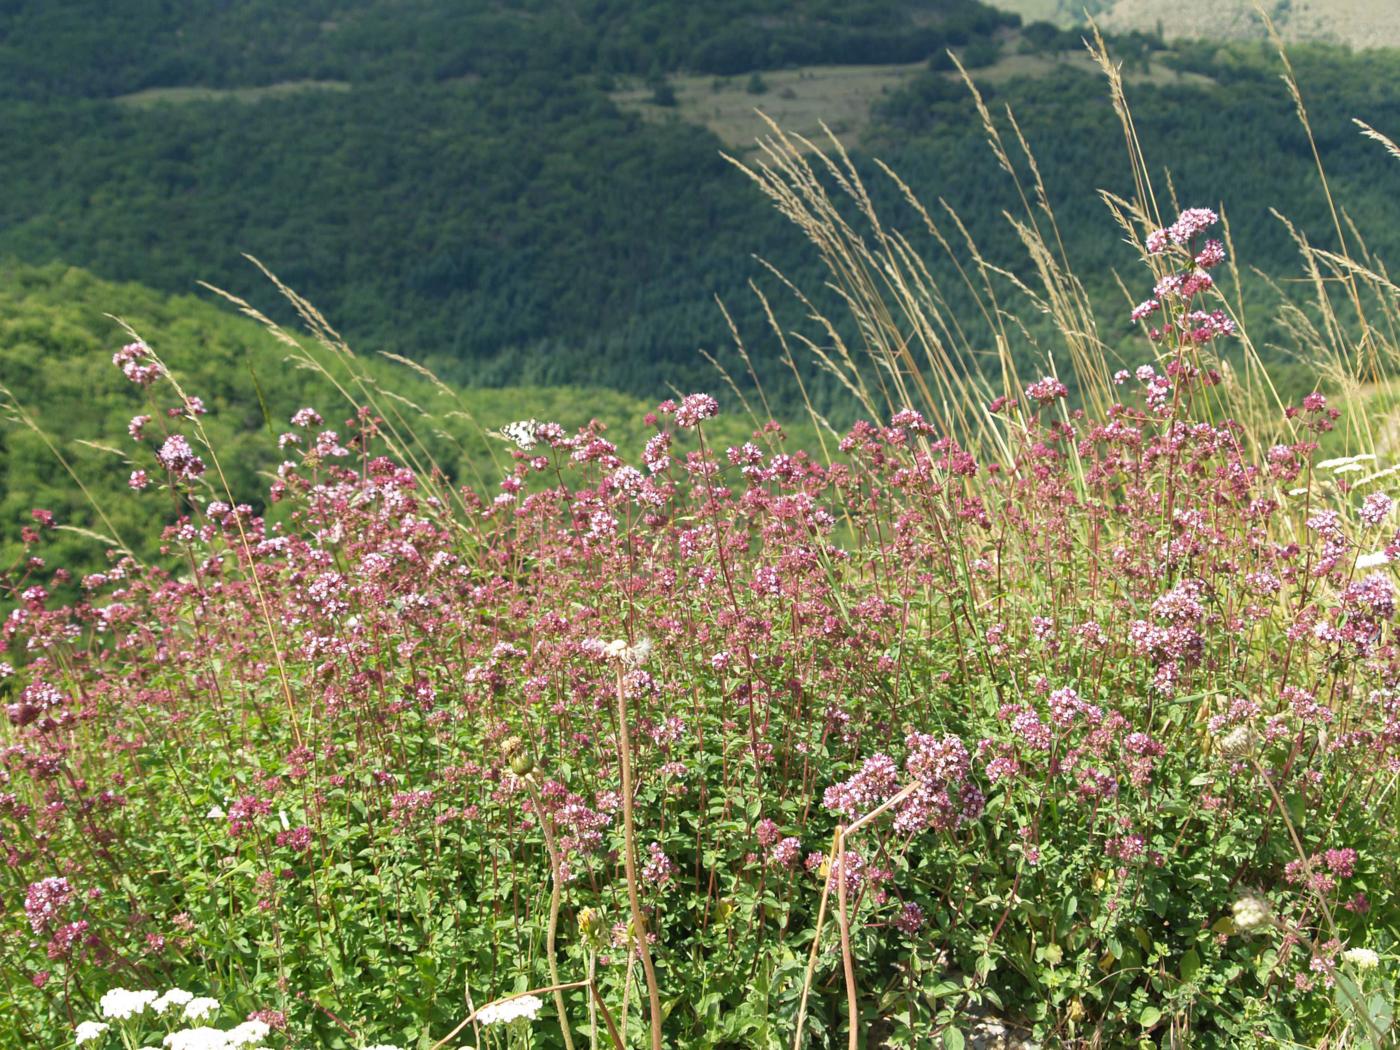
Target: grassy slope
56, 342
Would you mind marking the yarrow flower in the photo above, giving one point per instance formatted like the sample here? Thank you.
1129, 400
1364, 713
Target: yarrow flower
174, 997
200, 1008
120, 1004
1362, 958
244, 1035
508, 1010
87, 1031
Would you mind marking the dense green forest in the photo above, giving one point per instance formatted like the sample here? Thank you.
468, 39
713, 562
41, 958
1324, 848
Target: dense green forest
86, 48
474, 198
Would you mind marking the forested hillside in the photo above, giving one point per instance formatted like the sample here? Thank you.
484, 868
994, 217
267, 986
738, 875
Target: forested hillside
456, 182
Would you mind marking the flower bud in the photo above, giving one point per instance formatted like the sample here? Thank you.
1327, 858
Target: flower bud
590, 925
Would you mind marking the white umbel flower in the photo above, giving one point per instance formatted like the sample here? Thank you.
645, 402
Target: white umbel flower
174, 997
200, 1008
119, 1003
198, 1039
508, 1010
87, 1031
631, 655
1362, 958
247, 1033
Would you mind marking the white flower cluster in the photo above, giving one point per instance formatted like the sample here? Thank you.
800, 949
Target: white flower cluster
122, 1004
508, 1010
89, 1030
246, 1034
1362, 958
174, 997
200, 1008
633, 655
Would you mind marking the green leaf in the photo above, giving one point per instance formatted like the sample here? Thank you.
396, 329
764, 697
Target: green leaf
1381, 1011
1190, 963
1149, 1016
953, 1039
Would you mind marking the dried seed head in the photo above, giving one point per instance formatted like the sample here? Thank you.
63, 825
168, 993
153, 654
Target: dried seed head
1250, 913
1238, 742
631, 655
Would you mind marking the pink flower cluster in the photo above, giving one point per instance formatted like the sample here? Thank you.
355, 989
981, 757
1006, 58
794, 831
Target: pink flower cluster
138, 364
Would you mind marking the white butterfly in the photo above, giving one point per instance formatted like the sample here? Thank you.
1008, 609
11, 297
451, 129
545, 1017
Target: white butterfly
521, 433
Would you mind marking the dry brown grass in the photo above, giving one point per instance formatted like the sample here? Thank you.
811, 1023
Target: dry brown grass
800, 100
811, 101
1356, 23
177, 95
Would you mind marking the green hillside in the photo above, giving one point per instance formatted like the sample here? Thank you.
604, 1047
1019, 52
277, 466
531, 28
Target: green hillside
56, 345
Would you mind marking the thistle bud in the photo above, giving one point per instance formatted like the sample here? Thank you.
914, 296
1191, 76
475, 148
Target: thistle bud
590, 925
514, 751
